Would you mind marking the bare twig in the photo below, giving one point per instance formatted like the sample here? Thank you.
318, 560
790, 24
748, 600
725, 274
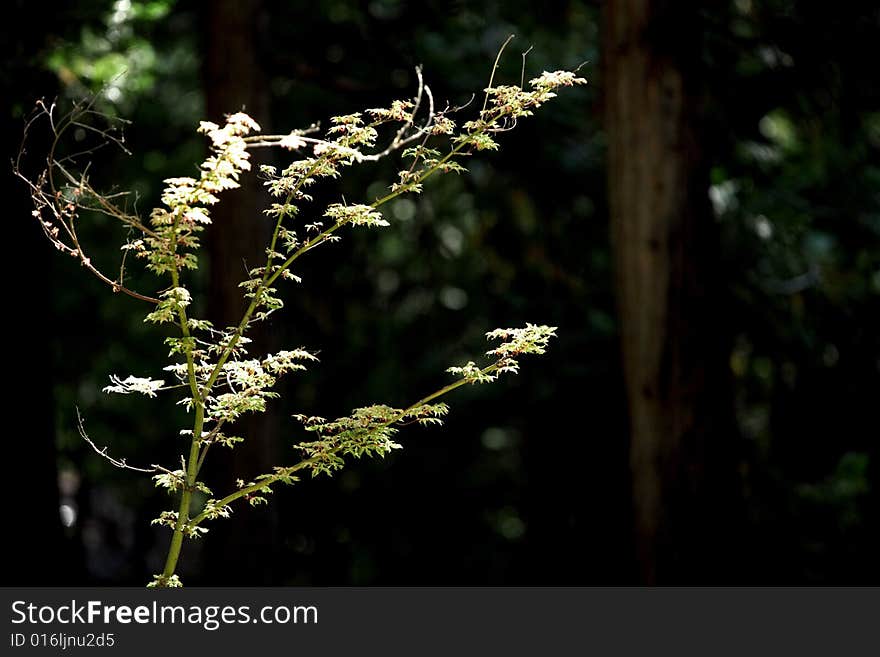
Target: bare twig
522, 76
119, 463
406, 134
401, 138
56, 209
495, 68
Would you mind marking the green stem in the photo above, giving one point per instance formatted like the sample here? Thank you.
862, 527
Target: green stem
198, 425
268, 481
207, 442
196, 460
185, 499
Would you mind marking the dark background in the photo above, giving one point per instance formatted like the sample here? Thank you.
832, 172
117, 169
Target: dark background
702, 223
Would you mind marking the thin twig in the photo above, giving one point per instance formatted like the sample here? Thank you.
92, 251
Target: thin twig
495, 68
56, 209
399, 138
119, 463
522, 77
406, 134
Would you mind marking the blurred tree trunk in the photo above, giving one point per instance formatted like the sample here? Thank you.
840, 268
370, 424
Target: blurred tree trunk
235, 81
669, 292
